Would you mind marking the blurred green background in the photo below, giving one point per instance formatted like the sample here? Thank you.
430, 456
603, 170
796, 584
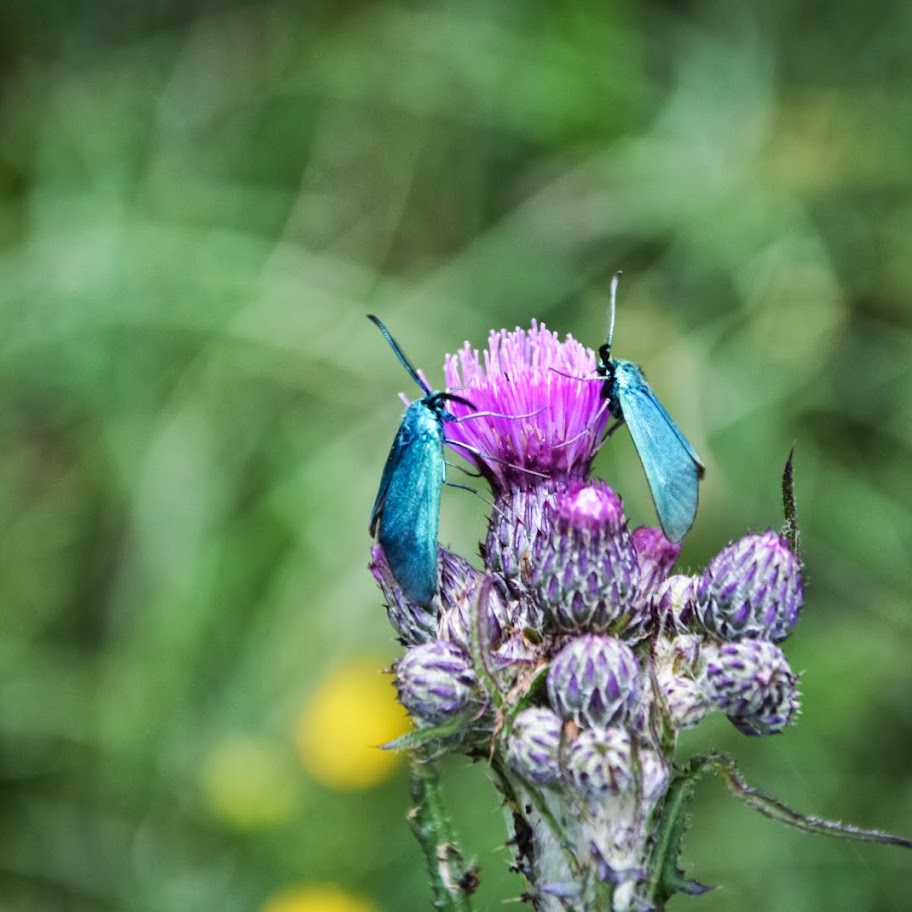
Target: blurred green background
200, 201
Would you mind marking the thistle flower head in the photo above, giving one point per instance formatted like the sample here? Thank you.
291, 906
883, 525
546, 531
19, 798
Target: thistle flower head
752, 588
528, 373
752, 683
594, 680
565, 592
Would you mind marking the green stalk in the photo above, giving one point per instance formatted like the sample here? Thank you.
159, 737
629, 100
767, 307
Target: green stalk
452, 881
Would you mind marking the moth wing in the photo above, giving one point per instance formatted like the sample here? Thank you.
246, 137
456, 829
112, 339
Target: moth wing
672, 467
407, 511
399, 444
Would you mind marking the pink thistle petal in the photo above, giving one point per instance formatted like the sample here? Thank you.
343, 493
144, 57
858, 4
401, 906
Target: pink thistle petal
553, 385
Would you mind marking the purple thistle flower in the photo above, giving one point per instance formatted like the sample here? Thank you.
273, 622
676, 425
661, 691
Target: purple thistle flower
657, 556
584, 778
435, 682
600, 762
533, 745
585, 573
752, 588
752, 683
524, 372
594, 680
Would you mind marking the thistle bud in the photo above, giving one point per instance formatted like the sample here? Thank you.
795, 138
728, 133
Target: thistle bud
677, 671
752, 683
585, 573
594, 680
532, 748
654, 773
515, 653
412, 622
599, 762
514, 529
435, 682
752, 588
678, 654
656, 556
675, 601
458, 598
685, 700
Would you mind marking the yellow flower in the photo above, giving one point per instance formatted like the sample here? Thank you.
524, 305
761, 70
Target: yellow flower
249, 782
317, 899
341, 727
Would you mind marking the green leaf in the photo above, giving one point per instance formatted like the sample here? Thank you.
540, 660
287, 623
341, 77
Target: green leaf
790, 507
724, 767
665, 878
422, 737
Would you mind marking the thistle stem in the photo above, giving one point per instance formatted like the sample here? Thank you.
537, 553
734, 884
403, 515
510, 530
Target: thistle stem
452, 881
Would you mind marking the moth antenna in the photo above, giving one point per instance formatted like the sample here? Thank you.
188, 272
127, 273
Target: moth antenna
615, 281
400, 354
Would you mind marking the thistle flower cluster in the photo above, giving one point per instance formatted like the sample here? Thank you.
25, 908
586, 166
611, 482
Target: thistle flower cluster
576, 654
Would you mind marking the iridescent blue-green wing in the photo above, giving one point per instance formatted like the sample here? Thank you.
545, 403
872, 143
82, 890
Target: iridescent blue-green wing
407, 511
399, 444
672, 467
